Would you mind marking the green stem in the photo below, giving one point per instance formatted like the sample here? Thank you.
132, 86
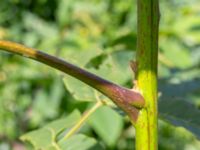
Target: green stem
128, 100
147, 57
85, 116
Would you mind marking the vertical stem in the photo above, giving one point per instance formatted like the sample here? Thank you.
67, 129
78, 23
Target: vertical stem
147, 56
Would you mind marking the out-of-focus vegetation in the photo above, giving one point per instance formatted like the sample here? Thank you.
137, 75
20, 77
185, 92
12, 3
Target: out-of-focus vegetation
99, 35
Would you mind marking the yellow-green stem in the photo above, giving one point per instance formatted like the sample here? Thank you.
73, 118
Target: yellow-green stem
85, 116
147, 56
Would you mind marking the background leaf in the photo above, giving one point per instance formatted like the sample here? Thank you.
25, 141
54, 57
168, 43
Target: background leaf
180, 113
107, 124
46, 137
98, 35
113, 63
82, 142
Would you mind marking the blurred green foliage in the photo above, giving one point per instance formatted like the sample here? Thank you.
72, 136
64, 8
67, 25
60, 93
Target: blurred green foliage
99, 35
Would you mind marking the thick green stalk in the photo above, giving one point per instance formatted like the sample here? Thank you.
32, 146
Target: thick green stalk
146, 76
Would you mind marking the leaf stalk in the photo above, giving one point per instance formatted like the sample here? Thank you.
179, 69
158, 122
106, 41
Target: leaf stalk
128, 100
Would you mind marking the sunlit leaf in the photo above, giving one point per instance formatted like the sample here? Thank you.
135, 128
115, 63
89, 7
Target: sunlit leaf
46, 137
172, 49
113, 67
107, 124
80, 142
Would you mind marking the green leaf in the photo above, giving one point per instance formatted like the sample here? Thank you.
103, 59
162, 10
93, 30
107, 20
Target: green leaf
128, 41
79, 90
42, 26
96, 61
46, 137
45, 32
113, 67
107, 124
64, 12
189, 30
116, 67
80, 142
39, 110
180, 113
172, 48
80, 57
180, 89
